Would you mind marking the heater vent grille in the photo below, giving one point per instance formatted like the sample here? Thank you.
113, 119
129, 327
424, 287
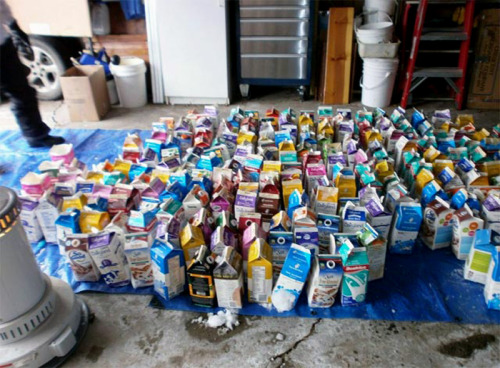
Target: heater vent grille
21, 327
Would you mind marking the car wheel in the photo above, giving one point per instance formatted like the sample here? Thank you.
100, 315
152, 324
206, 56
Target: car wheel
46, 68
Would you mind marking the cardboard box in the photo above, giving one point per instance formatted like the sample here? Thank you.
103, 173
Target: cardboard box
484, 88
85, 92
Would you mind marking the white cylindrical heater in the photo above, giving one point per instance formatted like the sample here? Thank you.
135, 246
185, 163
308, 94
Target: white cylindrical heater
41, 320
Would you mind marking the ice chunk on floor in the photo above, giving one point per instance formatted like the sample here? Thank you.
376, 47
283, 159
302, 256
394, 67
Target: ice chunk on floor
283, 300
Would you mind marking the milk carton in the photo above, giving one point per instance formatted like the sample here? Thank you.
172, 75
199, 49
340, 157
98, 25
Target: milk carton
324, 281
107, 253
245, 202
201, 278
67, 223
464, 229
47, 213
291, 279
191, 239
437, 229
228, 277
223, 237
308, 238
168, 269
326, 200
405, 227
138, 255
376, 252
356, 275
492, 286
378, 217
29, 220
478, 260
251, 233
260, 272
280, 242
353, 218
80, 261
327, 225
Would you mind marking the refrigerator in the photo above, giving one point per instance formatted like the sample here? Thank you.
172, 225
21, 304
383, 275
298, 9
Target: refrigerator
188, 46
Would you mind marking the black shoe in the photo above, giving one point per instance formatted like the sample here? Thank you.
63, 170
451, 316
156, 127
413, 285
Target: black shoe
47, 141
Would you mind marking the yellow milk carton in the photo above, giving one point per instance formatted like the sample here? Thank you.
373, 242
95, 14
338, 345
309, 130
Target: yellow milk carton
260, 272
191, 238
326, 200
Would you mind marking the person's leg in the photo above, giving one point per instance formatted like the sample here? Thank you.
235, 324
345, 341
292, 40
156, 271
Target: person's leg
24, 104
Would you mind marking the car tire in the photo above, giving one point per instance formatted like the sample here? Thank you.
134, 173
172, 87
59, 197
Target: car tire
46, 68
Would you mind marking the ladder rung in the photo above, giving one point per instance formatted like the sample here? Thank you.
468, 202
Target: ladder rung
443, 36
444, 72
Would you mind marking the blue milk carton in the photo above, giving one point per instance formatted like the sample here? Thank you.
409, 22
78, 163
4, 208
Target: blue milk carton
168, 269
356, 274
492, 287
291, 279
405, 227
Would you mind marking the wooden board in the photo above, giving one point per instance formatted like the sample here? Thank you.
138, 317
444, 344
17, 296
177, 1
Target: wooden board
337, 77
123, 45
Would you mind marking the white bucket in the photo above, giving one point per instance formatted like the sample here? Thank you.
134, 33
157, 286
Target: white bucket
377, 81
130, 78
386, 6
369, 31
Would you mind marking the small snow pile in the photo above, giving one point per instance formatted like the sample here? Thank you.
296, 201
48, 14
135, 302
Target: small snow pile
280, 337
224, 321
283, 300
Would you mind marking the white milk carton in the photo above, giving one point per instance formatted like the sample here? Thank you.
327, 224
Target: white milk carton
353, 218
464, 229
47, 213
437, 229
492, 286
324, 281
138, 255
29, 220
356, 275
478, 260
169, 269
292, 278
228, 278
405, 227
107, 253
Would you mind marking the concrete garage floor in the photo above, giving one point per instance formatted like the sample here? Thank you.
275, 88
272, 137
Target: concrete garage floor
127, 333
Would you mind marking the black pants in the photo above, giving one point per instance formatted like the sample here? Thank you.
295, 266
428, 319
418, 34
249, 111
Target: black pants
23, 101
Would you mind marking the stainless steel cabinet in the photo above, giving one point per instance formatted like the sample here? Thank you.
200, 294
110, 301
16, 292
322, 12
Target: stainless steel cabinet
274, 43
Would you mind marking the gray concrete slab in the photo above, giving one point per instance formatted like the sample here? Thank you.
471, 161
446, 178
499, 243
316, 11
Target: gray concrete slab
127, 333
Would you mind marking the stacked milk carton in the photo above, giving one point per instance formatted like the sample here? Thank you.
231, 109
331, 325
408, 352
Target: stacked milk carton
265, 204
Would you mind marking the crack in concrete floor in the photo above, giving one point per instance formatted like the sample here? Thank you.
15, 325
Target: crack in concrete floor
282, 357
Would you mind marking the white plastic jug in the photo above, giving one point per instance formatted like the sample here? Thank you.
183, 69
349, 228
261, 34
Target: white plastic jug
100, 19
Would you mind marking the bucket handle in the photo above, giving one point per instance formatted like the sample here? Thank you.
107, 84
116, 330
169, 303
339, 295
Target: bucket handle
387, 74
358, 21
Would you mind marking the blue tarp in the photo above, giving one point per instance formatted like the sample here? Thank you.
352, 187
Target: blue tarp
426, 286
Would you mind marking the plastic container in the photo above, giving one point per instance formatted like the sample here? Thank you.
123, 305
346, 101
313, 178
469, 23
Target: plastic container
100, 19
377, 81
130, 79
377, 31
386, 6
380, 50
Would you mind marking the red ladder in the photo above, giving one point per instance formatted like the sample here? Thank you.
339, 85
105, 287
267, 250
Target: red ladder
454, 76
